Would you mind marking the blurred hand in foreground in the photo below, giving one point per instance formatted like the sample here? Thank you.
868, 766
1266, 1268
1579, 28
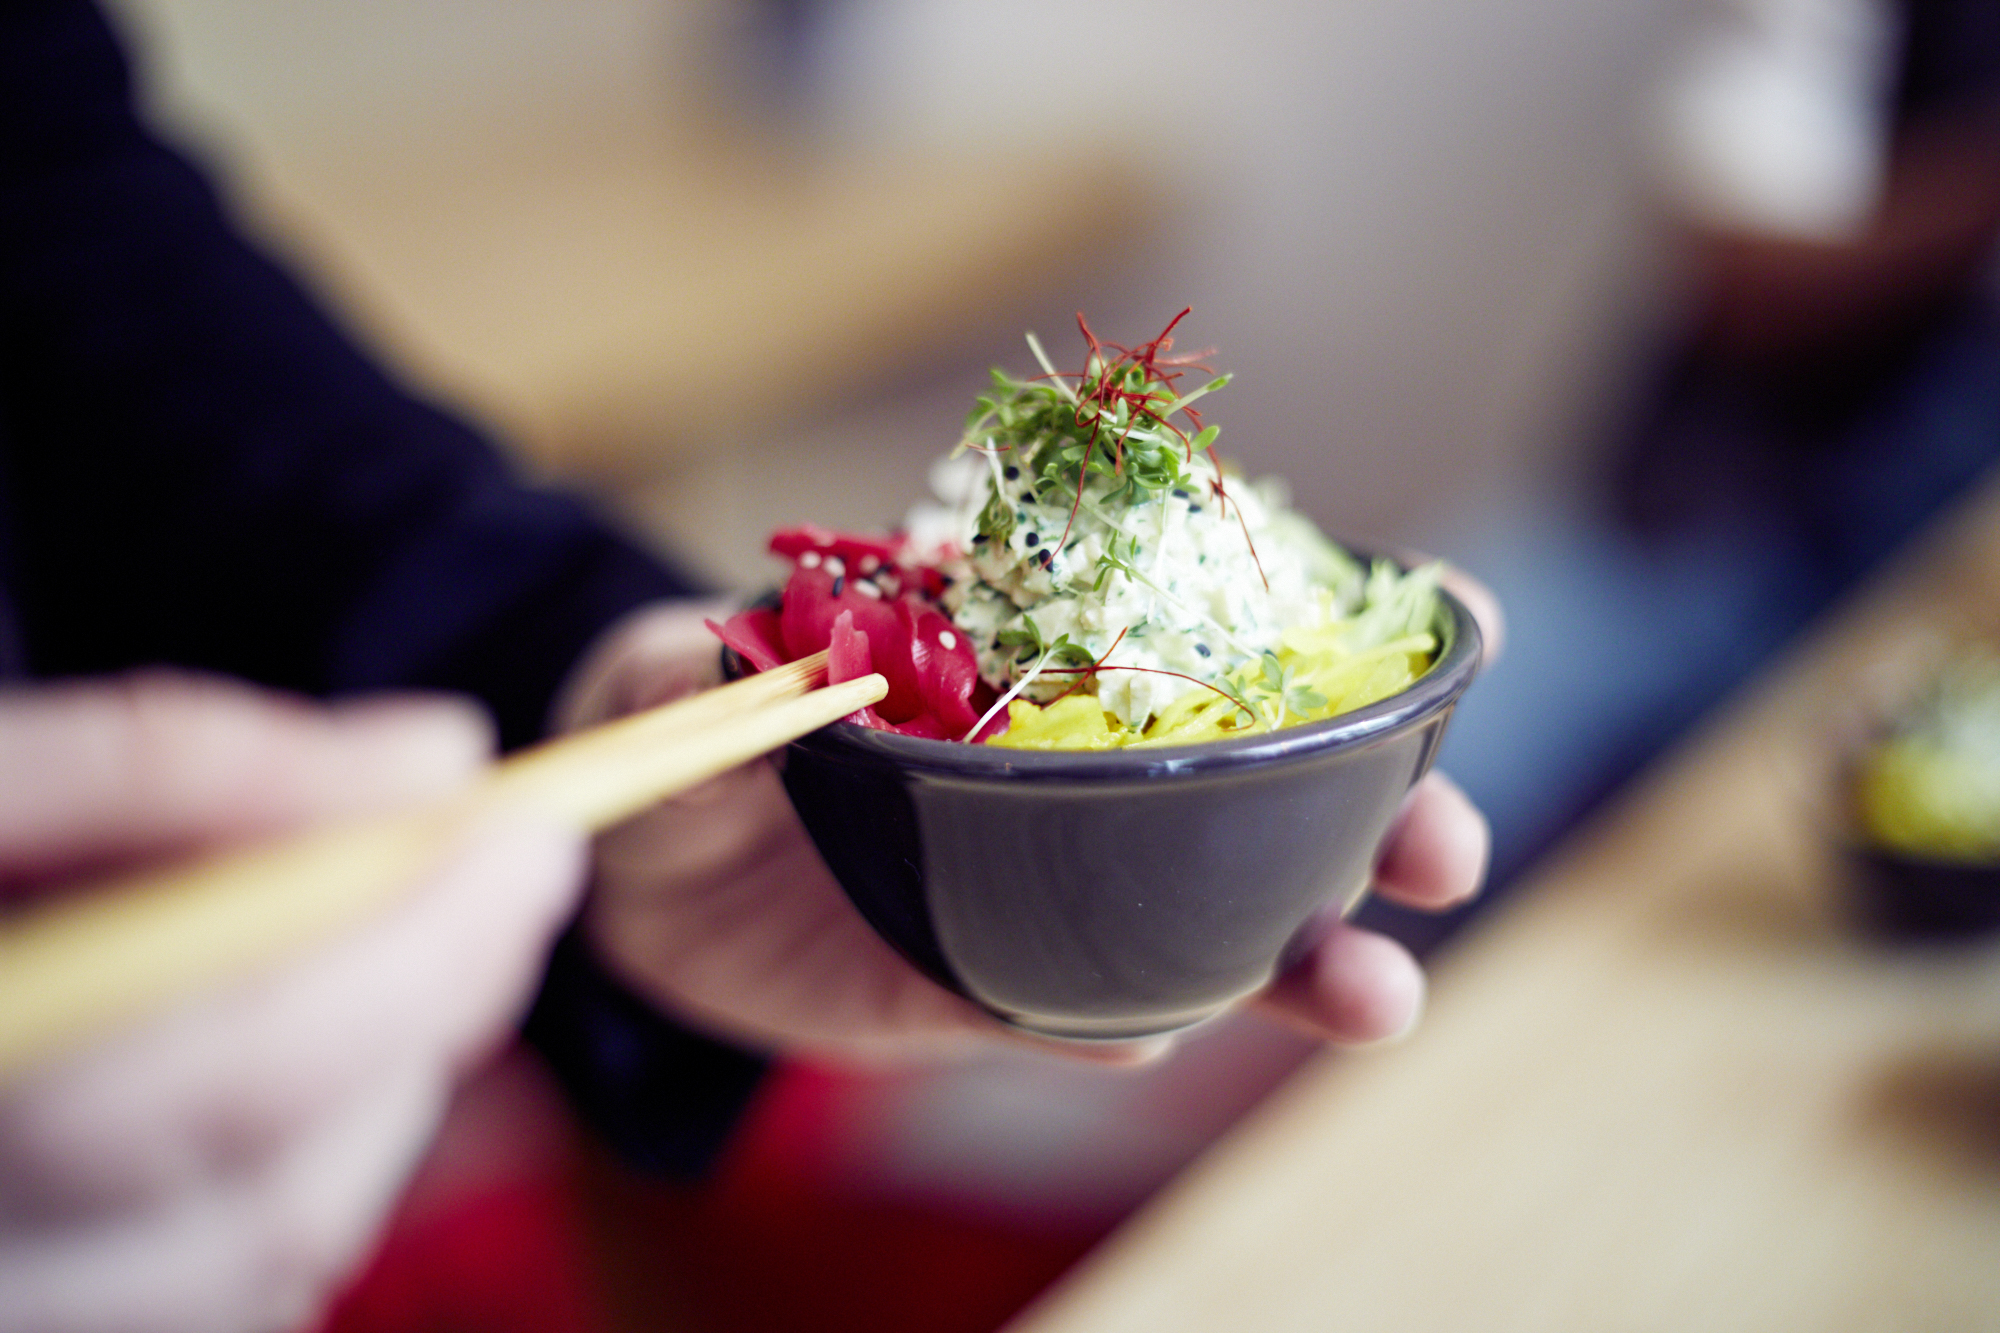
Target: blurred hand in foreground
218, 1167
717, 907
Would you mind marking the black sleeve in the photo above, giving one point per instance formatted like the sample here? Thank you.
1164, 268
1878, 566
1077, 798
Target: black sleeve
663, 1097
202, 469
197, 467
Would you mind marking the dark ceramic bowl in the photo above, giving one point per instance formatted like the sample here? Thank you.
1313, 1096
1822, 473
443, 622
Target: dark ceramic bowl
1117, 894
1900, 896
1897, 896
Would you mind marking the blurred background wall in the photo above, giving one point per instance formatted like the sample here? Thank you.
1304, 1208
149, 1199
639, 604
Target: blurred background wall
1415, 229
737, 262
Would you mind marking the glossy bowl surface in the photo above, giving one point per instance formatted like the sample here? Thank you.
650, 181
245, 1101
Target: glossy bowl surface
1896, 896
1900, 897
1117, 894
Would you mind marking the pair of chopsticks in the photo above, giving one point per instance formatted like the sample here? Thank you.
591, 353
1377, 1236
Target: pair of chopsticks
82, 964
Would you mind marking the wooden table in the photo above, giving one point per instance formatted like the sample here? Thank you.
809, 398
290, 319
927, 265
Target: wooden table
1666, 1089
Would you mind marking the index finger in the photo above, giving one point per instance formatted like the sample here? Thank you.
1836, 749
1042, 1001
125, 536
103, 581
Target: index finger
1436, 854
103, 773
1485, 608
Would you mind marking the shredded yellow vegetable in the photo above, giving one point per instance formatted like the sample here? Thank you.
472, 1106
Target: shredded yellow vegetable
1312, 668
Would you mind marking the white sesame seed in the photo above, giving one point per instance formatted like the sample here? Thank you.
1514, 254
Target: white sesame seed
869, 564
810, 560
836, 566
866, 589
947, 640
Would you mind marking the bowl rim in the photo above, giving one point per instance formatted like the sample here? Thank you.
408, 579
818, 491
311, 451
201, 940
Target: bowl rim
1429, 695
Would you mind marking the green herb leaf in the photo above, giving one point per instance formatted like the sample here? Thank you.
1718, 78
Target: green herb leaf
1070, 654
996, 520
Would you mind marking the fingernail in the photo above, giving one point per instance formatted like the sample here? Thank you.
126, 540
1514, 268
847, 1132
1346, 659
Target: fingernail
1416, 1019
1145, 1051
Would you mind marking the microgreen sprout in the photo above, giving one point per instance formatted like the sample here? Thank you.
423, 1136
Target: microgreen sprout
1000, 704
1094, 667
1220, 687
1032, 643
1274, 683
1117, 422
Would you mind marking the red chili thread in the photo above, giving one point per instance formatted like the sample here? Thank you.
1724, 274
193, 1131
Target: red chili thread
1108, 392
1098, 665
1231, 699
1222, 503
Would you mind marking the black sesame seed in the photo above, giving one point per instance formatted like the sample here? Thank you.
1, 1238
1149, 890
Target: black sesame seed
1194, 509
1202, 648
1032, 539
840, 585
980, 540
1180, 494
1012, 472
1048, 558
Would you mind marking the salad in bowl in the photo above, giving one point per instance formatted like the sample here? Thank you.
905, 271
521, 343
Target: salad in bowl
1145, 729
1924, 800
1091, 577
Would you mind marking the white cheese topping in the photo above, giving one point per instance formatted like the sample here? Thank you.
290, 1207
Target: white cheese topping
1174, 572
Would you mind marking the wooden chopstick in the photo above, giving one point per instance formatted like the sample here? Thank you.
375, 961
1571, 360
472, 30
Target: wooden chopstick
80, 965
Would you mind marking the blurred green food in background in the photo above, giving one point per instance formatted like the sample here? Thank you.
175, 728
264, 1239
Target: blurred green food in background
1932, 789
